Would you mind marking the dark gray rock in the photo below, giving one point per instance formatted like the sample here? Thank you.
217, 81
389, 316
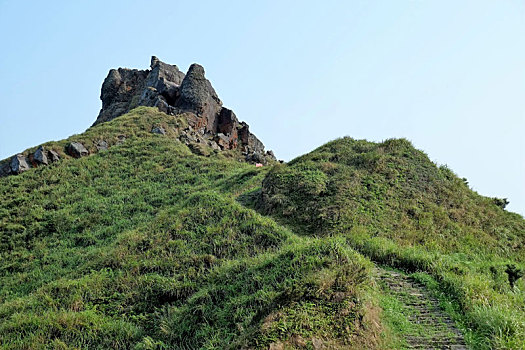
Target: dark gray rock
149, 97
227, 123
118, 92
76, 150
270, 155
158, 130
19, 164
172, 92
188, 137
244, 133
255, 158
5, 169
198, 96
101, 145
250, 143
165, 79
53, 156
124, 89
162, 72
254, 144
40, 156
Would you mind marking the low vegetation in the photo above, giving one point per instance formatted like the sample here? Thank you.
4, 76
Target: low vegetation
153, 245
144, 246
396, 207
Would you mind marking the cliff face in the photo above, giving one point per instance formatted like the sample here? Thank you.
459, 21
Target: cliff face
164, 86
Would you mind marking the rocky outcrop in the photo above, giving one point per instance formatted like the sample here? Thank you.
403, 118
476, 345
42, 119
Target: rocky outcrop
53, 156
124, 89
173, 92
101, 145
19, 164
119, 90
211, 127
40, 156
198, 96
158, 130
5, 169
76, 150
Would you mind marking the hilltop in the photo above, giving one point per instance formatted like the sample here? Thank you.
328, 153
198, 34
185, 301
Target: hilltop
155, 229
207, 124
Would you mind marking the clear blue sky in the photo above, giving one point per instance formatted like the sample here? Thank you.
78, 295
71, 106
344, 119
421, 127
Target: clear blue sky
447, 75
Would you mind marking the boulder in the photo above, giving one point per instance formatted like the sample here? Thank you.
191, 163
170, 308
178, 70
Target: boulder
101, 145
76, 150
40, 156
188, 137
19, 164
255, 158
158, 130
5, 169
214, 145
53, 156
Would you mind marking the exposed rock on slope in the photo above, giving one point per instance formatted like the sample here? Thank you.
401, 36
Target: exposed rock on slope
76, 150
165, 87
173, 92
19, 162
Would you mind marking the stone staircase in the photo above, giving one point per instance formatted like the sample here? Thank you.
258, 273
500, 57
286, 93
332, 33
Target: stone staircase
438, 329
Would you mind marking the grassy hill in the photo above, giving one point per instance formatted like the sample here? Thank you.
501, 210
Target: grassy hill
392, 204
153, 245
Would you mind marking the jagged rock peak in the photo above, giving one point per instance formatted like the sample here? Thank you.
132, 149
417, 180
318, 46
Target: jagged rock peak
164, 86
198, 96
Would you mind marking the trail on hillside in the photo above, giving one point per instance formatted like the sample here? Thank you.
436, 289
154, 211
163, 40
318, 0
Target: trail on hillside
431, 327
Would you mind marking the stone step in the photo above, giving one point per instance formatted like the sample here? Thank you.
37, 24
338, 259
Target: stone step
440, 329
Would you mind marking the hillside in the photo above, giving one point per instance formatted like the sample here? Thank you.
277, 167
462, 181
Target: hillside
163, 231
392, 204
145, 244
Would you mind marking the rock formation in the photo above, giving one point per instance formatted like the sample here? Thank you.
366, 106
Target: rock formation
19, 162
163, 86
76, 150
40, 157
173, 92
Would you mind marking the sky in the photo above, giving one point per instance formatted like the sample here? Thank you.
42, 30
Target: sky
448, 75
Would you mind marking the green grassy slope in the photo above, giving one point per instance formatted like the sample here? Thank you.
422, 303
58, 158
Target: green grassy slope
146, 246
391, 203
